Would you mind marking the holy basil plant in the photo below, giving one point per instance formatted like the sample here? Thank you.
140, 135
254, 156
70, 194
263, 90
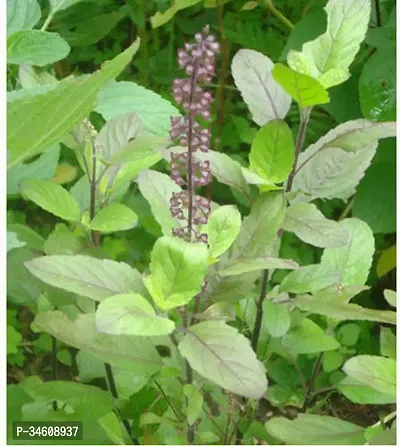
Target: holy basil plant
220, 310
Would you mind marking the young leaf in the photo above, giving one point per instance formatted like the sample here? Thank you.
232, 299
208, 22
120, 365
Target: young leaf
272, 151
259, 229
315, 429
265, 98
247, 265
86, 276
276, 318
52, 198
36, 122
307, 337
219, 353
305, 90
119, 98
354, 260
374, 371
195, 402
311, 226
363, 394
63, 242
158, 188
128, 352
131, 314
343, 311
112, 218
328, 57
223, 227
177, 271
34, 47
22, 14
310, 278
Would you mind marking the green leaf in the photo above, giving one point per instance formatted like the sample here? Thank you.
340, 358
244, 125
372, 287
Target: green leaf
354, 260
343, 311
36, 122
13, 242
376, 205
36, 47
362, 394
307, 337
14, 337
119, 98
157, 188
272, 152
377, 87
59, 5
112, 218
27, 235
52, 198
63, 242
195, 402
315, 429
388, 343
114, 429
311, 226
86, 276
143, 148
266, 99
219, 353
31, 77
305, 90
132, 353
329, 56
161, 18
390, 297
374, 371
22, 14
332, 361
348, 334
258, 232
276, 318
43, 168
223, 227
177, 270
310, 278
247, 265
131, 314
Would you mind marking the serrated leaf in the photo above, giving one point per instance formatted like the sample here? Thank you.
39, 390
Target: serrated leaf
276, 318
52, 198
272, 151
36, 122
131, 314
248, 265
362, 394
195, 402
315, 429
157, 188
85, 275
129, 352
336, 49
265, 98
310, 278
354, 260
177, 270
113, 218
119, 98
374, 371
223, 227
305, 90
219, 353
22, 14
343, 311
307, 337
311, 226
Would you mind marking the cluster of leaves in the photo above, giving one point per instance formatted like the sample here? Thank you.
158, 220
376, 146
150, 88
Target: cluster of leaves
99, 289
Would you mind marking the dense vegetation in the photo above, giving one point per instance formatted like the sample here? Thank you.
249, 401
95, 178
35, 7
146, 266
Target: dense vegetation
201, 220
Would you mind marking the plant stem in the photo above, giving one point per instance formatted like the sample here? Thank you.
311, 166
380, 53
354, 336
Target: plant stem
278, 14
378, 13
311, 384
259, 314
54, 364
178, 417
347, 209
304, 118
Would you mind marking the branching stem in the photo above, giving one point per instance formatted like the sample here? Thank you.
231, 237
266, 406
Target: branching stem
278, 14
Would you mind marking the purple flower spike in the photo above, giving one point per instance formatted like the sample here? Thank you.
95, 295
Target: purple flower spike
198, 61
